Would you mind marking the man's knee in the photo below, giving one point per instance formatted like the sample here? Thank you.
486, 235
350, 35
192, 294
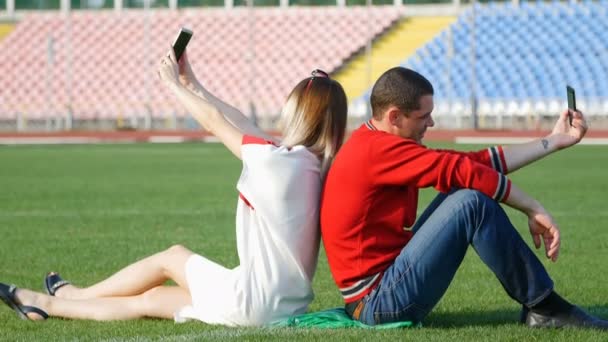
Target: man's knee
472, 196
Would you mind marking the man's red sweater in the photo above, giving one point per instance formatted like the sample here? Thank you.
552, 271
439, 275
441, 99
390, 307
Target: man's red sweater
370, 198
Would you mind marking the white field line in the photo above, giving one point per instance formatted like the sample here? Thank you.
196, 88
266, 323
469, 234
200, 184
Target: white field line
63, 141
211, 139
48, 141
179, 139
94, 140
185, 212
166, 139
518, 140
84, 213
221, 334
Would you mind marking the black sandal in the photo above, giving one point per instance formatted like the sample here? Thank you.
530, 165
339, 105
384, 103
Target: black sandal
53, 282
7, 294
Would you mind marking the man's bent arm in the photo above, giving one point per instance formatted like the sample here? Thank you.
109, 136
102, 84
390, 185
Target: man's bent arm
542, 226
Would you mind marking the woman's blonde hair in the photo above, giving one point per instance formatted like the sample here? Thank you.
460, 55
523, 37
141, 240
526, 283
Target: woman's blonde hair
314, 115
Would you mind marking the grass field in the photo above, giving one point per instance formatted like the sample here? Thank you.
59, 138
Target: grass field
86, 211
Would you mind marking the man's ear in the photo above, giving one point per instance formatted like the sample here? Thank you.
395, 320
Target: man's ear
393, 115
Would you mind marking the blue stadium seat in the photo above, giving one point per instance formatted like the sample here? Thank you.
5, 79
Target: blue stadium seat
527, 53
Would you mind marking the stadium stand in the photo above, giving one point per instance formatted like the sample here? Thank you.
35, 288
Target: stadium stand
401, 40
5, 29
101, 65
524, 56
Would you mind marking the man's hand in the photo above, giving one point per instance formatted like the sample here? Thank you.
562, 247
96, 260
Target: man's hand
543, 227
565, 135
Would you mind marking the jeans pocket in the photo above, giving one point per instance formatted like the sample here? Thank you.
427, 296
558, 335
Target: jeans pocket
412, 312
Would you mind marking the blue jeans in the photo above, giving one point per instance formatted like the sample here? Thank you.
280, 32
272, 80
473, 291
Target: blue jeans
420, 275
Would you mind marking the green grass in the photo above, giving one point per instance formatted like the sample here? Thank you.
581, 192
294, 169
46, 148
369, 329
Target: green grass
86, 211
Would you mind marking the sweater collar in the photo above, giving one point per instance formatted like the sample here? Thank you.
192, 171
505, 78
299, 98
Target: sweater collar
370, 125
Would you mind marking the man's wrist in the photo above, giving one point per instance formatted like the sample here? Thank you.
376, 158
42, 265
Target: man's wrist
536, 207
549, 144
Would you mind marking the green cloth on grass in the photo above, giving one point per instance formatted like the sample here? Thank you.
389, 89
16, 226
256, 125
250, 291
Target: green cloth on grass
332, 319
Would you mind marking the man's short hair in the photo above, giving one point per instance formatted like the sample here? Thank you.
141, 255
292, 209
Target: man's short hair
400, 87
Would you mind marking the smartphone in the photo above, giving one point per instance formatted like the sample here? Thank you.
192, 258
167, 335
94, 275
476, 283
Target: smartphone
181, 41
571, 102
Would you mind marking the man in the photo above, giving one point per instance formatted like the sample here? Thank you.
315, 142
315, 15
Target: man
389, 272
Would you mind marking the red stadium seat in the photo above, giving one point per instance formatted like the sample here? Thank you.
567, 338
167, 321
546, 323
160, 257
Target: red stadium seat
110, 69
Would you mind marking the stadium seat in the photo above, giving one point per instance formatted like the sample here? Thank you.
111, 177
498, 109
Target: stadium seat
103, 60
525, 56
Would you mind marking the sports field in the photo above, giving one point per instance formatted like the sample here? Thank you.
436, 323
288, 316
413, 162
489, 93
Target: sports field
87, 210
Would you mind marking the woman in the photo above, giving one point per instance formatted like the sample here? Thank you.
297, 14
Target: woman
276, 222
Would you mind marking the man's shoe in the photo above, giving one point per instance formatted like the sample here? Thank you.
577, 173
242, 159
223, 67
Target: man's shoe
575, 318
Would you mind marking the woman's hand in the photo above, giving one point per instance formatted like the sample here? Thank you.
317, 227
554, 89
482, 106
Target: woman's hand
186, 75
168, 70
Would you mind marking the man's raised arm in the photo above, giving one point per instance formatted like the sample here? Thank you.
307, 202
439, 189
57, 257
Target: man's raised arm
562, 136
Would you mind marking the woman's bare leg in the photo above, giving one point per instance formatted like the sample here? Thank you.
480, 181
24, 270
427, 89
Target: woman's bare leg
158, 302
136, 278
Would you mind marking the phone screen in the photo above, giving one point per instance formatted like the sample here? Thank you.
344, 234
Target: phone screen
180, 43
571, 101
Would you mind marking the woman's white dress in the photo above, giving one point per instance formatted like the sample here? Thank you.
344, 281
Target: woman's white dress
277, 229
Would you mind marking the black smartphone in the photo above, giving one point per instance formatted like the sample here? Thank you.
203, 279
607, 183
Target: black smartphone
181, 41
571, 102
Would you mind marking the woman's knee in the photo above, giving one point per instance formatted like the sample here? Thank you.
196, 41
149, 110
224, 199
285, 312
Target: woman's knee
177, 251
162, 302
146, 304
147, 300
174, 262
